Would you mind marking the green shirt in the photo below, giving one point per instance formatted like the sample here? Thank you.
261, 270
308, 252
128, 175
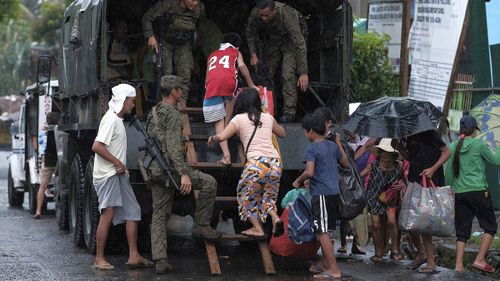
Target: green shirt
473, 156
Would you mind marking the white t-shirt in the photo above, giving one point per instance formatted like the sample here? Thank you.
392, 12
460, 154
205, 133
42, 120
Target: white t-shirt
111, 133
262, 142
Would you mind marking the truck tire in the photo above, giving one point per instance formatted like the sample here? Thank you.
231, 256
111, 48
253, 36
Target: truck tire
90, 209
76, 186
62, 212
16, 198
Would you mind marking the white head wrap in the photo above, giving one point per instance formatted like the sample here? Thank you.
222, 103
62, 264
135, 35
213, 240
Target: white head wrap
120, 93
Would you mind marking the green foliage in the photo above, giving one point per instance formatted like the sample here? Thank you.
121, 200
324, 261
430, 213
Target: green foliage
45, 29
371, 73
9, 9
14, 55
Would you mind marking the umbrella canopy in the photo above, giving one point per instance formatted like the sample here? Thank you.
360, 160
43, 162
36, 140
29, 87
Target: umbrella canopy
393, 117
487, 115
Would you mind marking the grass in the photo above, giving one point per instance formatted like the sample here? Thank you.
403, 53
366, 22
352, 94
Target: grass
476, 241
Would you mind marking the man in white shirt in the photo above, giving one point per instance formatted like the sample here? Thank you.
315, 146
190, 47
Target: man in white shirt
117, 202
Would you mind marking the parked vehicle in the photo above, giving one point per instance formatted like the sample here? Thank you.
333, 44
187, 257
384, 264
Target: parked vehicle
28, 135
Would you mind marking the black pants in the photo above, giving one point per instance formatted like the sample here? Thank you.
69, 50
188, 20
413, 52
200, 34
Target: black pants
474, 204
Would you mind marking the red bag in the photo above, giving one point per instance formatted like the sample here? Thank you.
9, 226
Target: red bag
266, 96
283, 246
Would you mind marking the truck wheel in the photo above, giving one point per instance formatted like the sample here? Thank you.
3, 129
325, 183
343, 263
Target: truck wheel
32, 190
76, 185
90, 209
16, 198
62, 212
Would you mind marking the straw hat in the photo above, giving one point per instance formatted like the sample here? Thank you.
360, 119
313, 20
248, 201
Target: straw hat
385, 145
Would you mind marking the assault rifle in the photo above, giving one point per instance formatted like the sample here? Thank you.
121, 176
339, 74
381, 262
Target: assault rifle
153, 152
158, 58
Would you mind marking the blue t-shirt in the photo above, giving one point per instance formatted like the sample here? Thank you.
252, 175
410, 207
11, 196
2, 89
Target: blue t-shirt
325, 156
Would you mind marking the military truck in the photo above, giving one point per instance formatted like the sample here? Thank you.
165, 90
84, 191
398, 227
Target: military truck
85, 90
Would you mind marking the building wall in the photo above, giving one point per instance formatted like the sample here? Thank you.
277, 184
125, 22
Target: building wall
359, 8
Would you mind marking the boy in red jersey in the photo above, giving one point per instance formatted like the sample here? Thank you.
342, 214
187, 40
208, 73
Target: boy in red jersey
221, 83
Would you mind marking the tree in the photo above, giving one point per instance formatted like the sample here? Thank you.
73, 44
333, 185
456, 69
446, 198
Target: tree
46, 27
8, 9
371, 73
14, 53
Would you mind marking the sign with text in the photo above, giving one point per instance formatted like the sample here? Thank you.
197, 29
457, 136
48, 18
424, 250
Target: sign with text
387, 18
433, 44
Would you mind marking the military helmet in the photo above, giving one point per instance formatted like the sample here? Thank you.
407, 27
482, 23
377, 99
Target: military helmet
173, 82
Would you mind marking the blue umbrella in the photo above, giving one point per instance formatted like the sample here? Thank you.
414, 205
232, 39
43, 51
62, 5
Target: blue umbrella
487, 115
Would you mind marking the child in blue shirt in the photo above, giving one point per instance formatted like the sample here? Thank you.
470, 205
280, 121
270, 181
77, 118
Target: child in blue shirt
321, 158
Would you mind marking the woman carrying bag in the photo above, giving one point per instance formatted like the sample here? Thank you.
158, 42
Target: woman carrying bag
258, 187
426, 152
465, 172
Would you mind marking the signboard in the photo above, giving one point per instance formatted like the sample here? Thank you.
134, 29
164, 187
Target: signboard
387, 18
433, 44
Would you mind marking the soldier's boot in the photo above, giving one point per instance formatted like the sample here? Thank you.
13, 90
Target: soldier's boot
206, 232
162, 266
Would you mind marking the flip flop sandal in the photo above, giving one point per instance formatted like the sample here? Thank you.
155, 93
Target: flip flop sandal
342, 250
326, 276
144, 263
376, 259
316, 268
279, 228
104, 266
416, 264
485, 268
428, 270
257, 237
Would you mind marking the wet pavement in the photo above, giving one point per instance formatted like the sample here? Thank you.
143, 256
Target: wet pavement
37, 250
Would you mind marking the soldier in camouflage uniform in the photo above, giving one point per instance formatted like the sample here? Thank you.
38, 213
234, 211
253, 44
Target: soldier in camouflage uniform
284, 41
164, 124
178, 33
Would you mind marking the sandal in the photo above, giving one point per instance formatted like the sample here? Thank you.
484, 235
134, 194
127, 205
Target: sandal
342, 250
485, 268
376, 259
104, 266
279, 228
428, 270
416, 263
143, 263
326, 276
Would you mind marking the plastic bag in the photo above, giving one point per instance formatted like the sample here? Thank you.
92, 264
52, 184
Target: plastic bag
352, 194
291, 196
428, 210
285, 247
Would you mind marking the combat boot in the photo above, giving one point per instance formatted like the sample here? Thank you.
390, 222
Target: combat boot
206, 232
162, 266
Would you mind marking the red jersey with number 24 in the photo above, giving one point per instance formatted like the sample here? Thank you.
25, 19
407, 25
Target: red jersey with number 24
221, 72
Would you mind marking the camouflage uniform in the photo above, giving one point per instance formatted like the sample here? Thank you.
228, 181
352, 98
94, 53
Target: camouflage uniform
177, 37
284, 42
168, 133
